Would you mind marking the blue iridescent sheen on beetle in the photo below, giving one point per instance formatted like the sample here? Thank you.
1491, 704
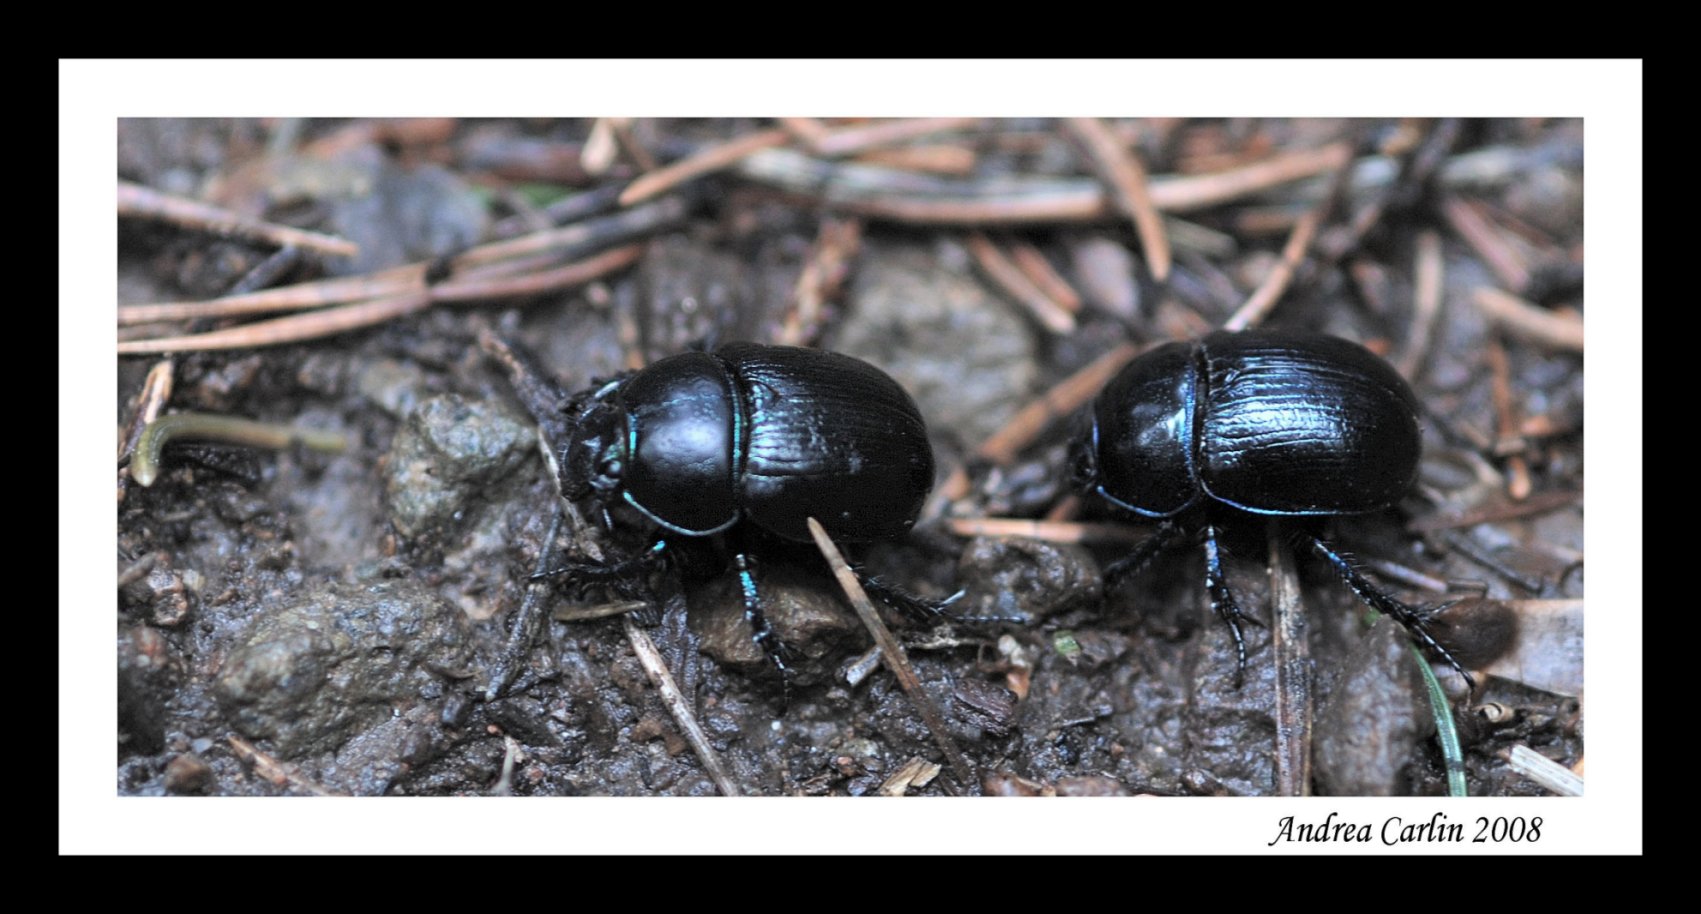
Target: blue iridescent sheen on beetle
1260, 422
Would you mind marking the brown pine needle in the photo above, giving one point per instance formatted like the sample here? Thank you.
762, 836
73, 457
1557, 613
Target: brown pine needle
1069, 395
1506, 420
1003, 271
1039, 270
1264, 298
487, 260
292, 329
836, 246
331, 321
1119, 168
937, 159
316, 294
710, 160
1529, 321
896, 660
808, 131
847, 140
1502, 259
1050, 531
1427, 288
140, 202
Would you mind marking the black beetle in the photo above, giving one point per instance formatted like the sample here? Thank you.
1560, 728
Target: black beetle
772, 435
1256, 422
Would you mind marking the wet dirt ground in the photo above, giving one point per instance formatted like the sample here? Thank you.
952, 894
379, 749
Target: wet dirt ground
293, 622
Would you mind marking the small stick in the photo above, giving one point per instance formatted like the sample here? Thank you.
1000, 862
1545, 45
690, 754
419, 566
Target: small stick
1119, 168
566, 613
1293, 671
807, 130
273, 770
1505, 262
1048, 530
707, 161
1069, 395
1264, 298
1535, 504
908, 197
1544, 771
674, 701
1016, 284
1528, 321
1426, 303
144, 466
836, 246
138, 201
937, 159
893, 652
847, 140
1506, 421
1039, 271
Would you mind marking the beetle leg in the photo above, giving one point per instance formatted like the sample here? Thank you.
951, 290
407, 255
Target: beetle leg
761, 632
1415, 620
1224, 603
1135, 562
626, 576
917, 607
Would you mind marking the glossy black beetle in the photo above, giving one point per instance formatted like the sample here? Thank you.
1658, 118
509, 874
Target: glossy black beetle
1261, 422
772, 435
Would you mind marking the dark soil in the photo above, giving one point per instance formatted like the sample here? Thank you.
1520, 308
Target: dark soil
292, 622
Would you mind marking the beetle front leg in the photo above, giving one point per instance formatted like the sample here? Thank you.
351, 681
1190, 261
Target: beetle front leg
1224, 603
1415, 621
627, 577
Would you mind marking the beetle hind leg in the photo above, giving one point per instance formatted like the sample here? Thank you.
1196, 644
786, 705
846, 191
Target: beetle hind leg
1135, 562
1416, 621
761, 632
917, 607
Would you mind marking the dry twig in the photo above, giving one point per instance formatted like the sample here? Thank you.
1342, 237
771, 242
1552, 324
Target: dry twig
1293, 671
707, 161
1018, 286
896, 660
1120, 169
678, 707
1426, 303
1506, 263
138, 201
1529, 321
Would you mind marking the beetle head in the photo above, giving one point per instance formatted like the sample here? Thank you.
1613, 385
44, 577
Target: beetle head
596, 453
1084, 458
